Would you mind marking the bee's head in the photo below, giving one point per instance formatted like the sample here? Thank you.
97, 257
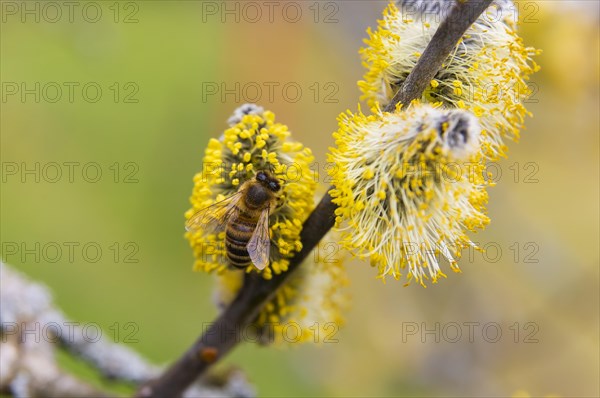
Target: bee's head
268, 181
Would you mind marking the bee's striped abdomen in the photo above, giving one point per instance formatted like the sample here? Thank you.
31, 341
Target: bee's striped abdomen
237, 236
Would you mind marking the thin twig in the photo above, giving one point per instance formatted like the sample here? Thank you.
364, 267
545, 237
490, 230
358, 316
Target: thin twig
224, 333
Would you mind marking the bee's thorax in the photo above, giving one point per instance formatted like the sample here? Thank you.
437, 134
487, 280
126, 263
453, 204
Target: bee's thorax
257, 197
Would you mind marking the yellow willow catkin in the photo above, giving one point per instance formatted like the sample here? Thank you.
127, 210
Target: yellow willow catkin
255, 141
309, 306
486, 74
408, 186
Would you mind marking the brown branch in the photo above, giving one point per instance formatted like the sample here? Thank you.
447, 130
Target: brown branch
224, 333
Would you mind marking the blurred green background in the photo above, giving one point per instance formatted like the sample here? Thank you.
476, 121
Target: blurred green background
170, 53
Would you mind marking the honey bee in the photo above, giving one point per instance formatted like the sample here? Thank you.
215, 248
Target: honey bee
244, 216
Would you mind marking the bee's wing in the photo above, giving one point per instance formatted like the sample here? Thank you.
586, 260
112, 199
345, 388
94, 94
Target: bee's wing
259, 245
213, 219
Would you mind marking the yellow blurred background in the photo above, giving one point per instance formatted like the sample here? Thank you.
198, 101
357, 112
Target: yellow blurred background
163, 69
